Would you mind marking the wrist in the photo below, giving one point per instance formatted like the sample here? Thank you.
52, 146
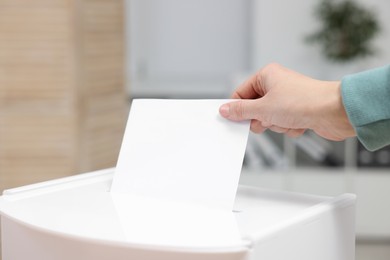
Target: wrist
333, 122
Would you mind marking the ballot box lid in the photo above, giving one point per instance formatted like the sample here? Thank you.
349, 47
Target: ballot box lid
82, 206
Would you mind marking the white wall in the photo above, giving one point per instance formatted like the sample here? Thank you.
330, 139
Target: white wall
279, 30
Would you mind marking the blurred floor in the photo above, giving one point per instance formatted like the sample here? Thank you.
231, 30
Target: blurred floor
373, 250
365, 250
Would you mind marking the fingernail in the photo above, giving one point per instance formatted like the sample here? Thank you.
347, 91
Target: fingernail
224, 110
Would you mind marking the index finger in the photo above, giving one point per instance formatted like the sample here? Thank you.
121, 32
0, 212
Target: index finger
250, 89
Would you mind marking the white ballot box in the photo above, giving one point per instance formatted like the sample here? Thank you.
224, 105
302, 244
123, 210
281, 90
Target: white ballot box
78, 218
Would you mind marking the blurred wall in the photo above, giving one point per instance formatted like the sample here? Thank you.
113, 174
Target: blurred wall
196, 48
186, 48
62, 101
280, 27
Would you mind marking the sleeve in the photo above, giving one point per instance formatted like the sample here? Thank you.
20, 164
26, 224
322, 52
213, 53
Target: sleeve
366, 98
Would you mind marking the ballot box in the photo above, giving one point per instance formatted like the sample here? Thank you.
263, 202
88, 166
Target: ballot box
78, 218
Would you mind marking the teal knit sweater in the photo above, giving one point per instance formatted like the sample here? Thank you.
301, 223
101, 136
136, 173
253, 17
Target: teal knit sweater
366, 98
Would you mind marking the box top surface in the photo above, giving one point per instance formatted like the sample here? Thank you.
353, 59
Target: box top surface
82, 206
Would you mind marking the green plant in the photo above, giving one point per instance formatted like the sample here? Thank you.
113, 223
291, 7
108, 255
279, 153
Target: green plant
347, 30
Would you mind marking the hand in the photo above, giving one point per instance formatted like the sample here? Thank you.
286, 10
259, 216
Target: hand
284, 101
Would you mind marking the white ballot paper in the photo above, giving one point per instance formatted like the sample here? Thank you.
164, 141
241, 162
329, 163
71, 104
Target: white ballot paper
181, 151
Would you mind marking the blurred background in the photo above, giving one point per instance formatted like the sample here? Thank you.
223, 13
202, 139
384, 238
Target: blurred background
70, 68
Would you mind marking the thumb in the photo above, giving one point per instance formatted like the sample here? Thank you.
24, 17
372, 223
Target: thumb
239, 110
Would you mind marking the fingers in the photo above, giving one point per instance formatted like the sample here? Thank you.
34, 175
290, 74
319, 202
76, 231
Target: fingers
278, 129
250, 110
250, 89
288, 131
259, 127
240, 110
295, 132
